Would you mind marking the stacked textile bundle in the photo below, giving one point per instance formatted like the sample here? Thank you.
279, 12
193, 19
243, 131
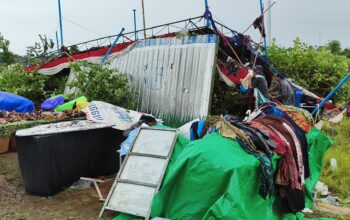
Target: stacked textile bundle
274, 129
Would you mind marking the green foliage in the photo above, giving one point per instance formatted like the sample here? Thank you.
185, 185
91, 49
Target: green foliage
338, 180
227, 100
55, 85
74, 49
315, 69
334, 47
98, 82
31, 85
6, 56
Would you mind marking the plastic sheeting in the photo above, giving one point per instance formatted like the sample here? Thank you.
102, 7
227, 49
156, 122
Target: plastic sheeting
11, 102
213, 178
51, 162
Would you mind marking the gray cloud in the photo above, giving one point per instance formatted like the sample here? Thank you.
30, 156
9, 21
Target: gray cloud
313, 21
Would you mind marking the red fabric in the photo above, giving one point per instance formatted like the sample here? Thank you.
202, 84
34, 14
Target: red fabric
90, 53
236, 79
328, 106
287, 171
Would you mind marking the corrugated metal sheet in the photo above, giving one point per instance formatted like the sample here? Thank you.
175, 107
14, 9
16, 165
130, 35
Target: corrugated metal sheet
172, 76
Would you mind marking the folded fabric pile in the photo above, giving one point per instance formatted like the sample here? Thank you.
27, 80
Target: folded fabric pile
274, 129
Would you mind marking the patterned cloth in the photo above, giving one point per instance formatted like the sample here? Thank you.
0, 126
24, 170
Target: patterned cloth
299, 118
255, 145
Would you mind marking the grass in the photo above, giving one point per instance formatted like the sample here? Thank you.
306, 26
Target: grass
338, 181
317, 214
11, 174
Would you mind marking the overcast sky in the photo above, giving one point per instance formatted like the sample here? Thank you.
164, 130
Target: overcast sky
314, 21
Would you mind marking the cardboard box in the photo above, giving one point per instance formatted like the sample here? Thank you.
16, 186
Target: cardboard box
4, 144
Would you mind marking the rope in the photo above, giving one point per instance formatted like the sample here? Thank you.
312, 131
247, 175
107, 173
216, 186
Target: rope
257, 53
210, 16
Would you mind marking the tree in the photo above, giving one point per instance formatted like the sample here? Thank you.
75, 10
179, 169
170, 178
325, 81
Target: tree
98, 82
6, 56
334, 47
40, 50
346, 52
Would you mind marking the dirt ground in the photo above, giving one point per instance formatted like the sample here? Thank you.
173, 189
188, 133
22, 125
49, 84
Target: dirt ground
69, 204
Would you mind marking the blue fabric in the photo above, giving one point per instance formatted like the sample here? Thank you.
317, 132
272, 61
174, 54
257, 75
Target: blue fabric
298, 96
126, 145
243, 90
201, 124
200, 127
191, 135
52, 103
11, 102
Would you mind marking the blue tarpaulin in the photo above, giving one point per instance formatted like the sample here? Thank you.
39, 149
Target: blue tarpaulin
12, 102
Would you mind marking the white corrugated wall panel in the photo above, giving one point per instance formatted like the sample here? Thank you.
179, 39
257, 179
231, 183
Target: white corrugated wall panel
172, 76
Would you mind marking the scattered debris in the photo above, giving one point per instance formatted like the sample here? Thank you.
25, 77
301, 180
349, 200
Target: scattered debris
347, 201
81, 184
10, 117
322, 189
333, 163
333, 209
307, 210
331, 200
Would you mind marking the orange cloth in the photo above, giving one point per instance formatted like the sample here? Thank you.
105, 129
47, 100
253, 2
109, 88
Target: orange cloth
298, 118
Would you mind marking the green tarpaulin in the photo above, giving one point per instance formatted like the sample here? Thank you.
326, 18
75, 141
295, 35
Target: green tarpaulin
213, 178
69, 105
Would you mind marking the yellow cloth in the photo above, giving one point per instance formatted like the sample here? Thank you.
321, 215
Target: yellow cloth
298, 117
81, 105
227, 130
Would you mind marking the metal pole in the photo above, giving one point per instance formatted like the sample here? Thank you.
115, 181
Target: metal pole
144, 20
331, 94
60, 18
265, 41
112, 46
269, 23
58, 46
206, 12
135, 24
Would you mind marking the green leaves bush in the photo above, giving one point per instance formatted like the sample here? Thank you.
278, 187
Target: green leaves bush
100, 83
14, 79
31, 85
315, 69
